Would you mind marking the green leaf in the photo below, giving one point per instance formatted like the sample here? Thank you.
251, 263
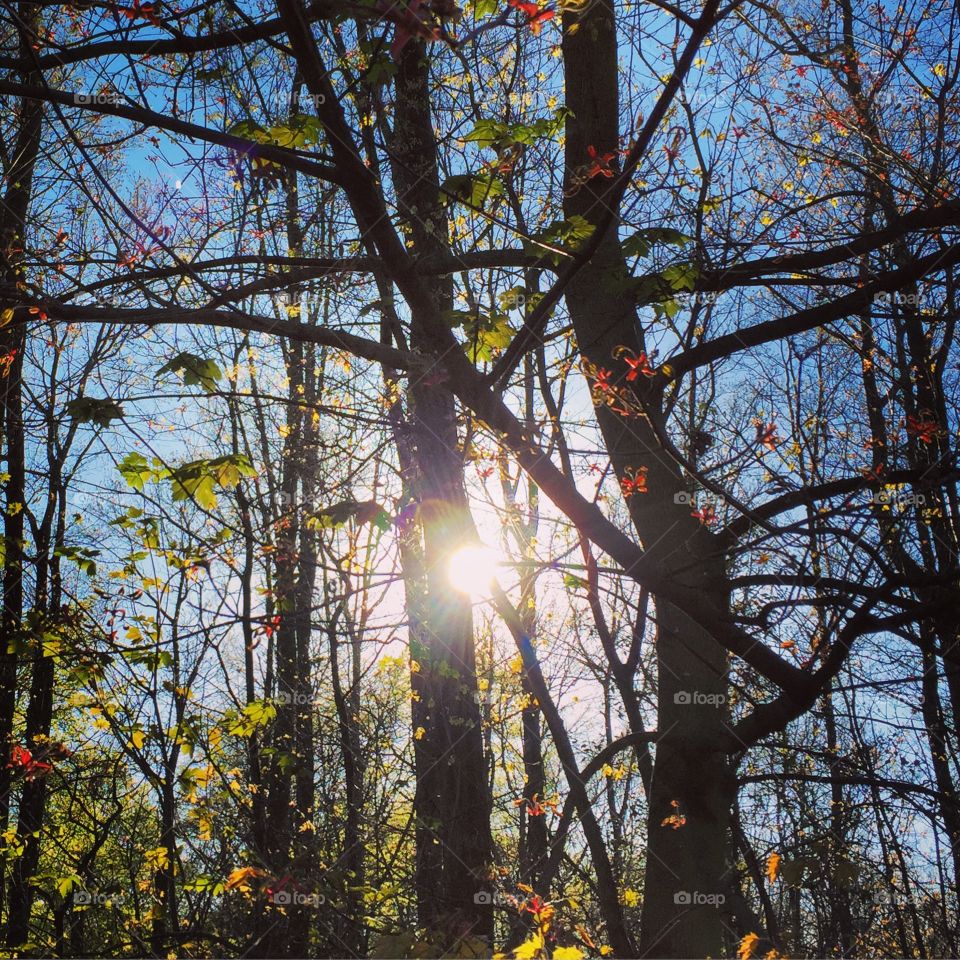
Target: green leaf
95, 410
486, 133
681, 276
485, 334
711, 204
249, 130
199, 487
502, 136
228, 470
66, 884
81, 556
200, 478
643, 241
194, 369
567, 234
136, 470
472, 190
153, 660
257, 713
205, 884
300, 130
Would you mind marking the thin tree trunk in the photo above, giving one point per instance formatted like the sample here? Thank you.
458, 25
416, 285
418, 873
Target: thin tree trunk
13, 216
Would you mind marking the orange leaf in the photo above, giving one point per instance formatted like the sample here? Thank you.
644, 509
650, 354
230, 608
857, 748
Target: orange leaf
747, 945
239, 878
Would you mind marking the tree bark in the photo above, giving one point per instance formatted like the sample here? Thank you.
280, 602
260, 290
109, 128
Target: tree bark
692, 786
453, 796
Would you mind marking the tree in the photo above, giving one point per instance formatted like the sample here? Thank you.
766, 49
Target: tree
689, 269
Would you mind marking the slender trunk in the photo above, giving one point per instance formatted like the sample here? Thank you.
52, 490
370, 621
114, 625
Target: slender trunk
352, 857
32, 803
290, 795
534, 841
13, 216
165, 921
607, 891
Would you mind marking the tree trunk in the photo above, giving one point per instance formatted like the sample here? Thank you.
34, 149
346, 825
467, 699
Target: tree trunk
453, 796
692, 787
13, 216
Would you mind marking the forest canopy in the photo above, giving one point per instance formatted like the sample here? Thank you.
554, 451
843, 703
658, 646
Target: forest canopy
479, 479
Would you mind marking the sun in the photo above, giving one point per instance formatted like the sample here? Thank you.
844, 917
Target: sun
472, 569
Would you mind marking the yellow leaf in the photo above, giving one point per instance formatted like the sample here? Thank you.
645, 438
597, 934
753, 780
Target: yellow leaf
940, 70
158, 858
205, 825
773, 864
567, 953
631, 898
137, 738
747, 945
530, 949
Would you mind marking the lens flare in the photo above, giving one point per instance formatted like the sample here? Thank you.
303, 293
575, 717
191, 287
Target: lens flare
472, 569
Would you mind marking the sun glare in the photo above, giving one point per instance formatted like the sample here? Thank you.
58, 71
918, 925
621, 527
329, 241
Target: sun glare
473, 568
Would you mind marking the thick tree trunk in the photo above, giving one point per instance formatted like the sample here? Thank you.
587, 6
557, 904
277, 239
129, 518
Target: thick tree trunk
692, 787
453, 800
